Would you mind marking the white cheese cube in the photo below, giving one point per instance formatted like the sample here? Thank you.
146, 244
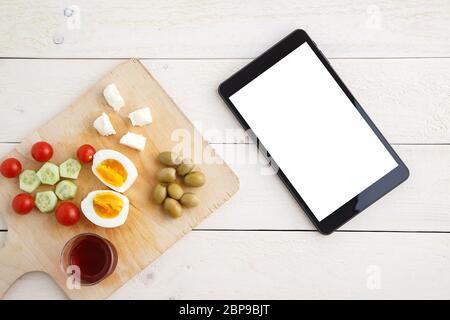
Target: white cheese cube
140, 117
104, 126
133, 140
113, 97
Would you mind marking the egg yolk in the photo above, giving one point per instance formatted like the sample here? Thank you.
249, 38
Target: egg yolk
112, 172
107, 205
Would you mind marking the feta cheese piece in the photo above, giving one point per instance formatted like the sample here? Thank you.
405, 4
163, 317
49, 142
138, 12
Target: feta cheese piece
133, 140
104, 126
113, 97
141, 117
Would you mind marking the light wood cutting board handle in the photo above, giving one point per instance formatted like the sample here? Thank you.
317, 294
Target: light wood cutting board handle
13, 264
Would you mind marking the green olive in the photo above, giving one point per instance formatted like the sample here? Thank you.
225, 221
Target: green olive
194, 179
172, 207
169, 158
185, 167
166, 175
175, 191
189, 200
160, 193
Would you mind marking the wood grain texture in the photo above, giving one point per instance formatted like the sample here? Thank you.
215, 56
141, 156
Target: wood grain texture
406, 98
148, 231
422, 203
223, 29
285, 265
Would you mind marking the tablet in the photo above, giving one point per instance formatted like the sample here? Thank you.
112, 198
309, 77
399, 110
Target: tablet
317, 137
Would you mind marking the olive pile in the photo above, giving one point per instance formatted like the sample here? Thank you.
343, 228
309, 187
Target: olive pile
168, 192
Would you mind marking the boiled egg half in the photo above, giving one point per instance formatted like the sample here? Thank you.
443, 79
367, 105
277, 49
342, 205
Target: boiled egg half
114, 169
106, 208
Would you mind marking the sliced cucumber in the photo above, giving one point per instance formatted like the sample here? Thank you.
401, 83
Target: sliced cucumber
29, 181
48, 173
66, 190
46, 201
70, 169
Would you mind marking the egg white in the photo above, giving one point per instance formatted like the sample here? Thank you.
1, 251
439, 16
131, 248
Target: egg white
87, 207
128, 165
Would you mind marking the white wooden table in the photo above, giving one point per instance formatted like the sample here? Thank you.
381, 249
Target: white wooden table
394, 56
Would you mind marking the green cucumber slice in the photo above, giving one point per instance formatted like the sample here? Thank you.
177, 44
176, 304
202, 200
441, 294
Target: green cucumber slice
66, 190
29, 181
48, 173
45, 201
70, 169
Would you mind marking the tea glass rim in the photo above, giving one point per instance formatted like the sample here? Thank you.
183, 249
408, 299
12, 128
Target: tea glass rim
111, 248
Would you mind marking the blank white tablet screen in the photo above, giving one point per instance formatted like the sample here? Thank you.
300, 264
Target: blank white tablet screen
313, 131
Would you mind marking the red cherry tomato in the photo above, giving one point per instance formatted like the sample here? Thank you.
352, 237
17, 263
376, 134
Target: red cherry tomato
85, 153
11, 168
23, 203
67, 213
42, 151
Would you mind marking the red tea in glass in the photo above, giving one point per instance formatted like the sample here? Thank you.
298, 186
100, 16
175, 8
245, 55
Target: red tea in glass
95, 257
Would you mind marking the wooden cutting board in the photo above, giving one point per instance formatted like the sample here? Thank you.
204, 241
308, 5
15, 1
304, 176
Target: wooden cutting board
34, 241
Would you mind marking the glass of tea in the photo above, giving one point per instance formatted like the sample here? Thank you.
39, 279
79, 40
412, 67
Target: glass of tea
89, 256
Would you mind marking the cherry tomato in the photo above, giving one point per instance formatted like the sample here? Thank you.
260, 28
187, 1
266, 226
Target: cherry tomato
23, 203
67, 213
11, 168
85, 153
42, 151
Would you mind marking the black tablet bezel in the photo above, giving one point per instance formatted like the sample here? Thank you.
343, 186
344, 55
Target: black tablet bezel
367, 196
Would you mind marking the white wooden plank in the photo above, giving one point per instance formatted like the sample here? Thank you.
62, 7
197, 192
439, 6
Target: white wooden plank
284, 265
422, 203
407, 98
185, 28
6, 147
